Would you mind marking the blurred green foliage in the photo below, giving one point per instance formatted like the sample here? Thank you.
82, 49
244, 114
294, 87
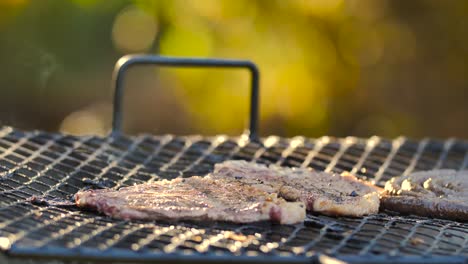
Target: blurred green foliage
330, 67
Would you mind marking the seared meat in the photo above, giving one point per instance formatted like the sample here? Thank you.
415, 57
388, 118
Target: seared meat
193, 198
436, 193
327, 193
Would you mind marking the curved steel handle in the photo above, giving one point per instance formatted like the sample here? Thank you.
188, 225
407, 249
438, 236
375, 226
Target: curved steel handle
126, 62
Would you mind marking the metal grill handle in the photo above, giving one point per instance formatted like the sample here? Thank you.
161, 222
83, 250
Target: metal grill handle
127, 61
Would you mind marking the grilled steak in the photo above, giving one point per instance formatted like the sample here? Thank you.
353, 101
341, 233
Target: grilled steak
327, 193
193, 198
436, 193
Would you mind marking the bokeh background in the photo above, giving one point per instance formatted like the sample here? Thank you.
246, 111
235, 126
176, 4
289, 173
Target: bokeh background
328, 67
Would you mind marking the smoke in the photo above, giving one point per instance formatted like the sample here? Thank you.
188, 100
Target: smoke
48, 65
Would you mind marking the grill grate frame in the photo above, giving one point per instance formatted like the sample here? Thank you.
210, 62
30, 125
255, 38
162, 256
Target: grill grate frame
54, 165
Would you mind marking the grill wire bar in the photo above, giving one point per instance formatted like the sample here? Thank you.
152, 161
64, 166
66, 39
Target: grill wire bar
56, 166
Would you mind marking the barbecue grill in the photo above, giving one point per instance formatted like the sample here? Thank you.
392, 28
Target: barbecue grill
55, 166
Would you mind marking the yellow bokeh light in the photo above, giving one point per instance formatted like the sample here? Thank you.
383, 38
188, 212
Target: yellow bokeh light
191, 40
360, 45
91, 120
134, 30
319, 7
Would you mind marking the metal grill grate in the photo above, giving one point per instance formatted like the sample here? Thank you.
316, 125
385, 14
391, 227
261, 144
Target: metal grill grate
55, 166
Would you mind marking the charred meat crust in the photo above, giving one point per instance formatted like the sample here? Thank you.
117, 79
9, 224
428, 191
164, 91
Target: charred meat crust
408, 205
